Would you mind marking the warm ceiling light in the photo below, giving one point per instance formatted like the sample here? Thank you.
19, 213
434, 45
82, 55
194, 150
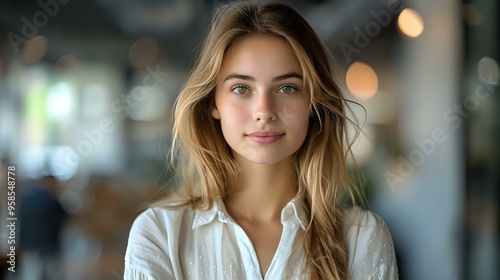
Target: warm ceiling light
472, 15
35, 49
65, 61
410, 23
143, 52
362, 80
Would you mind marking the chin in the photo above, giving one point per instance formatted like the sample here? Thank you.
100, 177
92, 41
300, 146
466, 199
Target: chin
267, 159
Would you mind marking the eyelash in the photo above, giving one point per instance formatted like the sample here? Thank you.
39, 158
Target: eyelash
239, 86
296, 88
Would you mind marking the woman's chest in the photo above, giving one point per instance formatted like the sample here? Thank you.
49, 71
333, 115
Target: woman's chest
227, 252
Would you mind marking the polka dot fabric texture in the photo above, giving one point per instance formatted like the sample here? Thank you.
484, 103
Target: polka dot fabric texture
191, 244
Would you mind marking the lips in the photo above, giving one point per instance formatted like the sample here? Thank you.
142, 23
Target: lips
265, 137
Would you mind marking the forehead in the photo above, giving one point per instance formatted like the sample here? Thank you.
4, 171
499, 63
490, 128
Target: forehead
257, 53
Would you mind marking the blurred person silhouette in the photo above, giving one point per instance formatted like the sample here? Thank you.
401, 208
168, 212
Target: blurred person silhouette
260, 135
41, 220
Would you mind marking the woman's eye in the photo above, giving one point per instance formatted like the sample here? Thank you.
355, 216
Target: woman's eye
287, 89
240, 89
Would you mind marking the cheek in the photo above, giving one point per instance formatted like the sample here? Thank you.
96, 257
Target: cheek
296, 114
232, 115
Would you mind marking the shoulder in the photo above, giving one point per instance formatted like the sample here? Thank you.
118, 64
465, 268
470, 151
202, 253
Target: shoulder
160, 221
152, 242
367, 230
370, 246
358, 217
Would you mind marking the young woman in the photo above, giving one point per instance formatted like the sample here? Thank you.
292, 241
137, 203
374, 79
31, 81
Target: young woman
260, 136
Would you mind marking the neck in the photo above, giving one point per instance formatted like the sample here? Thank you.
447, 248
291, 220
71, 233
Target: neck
262, 191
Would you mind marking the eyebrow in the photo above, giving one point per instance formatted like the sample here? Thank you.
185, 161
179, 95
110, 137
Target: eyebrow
275, 79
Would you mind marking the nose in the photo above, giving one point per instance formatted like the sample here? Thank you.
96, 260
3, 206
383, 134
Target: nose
264, 110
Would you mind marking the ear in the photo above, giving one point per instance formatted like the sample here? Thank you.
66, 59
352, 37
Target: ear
215, 112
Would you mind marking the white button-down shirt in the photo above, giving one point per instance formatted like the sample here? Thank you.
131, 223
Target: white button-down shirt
192, 244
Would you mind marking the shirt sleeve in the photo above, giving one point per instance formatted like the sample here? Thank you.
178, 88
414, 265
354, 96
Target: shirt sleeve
147, 255
371, 249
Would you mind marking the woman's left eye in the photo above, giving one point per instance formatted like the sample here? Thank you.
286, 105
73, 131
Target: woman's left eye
288, 89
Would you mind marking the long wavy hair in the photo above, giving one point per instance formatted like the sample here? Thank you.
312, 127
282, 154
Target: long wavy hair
203, 160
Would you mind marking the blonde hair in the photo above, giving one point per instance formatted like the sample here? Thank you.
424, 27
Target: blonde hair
206, 167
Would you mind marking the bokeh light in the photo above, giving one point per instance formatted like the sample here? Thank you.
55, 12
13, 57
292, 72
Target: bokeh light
65, 61
95, 101
60, 101
362, 80
63, 162
33, 161
35, 49
472, 15
143, 52
488, 70
410, 23
71, 201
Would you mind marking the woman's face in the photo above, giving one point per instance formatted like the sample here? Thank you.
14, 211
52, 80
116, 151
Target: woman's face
260, 100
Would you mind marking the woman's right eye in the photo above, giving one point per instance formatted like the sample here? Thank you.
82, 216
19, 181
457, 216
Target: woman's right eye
240, 89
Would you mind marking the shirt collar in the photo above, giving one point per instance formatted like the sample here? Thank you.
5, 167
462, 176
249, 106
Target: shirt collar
292, 212
203, 217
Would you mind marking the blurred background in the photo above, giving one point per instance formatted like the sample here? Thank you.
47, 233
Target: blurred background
86, 89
